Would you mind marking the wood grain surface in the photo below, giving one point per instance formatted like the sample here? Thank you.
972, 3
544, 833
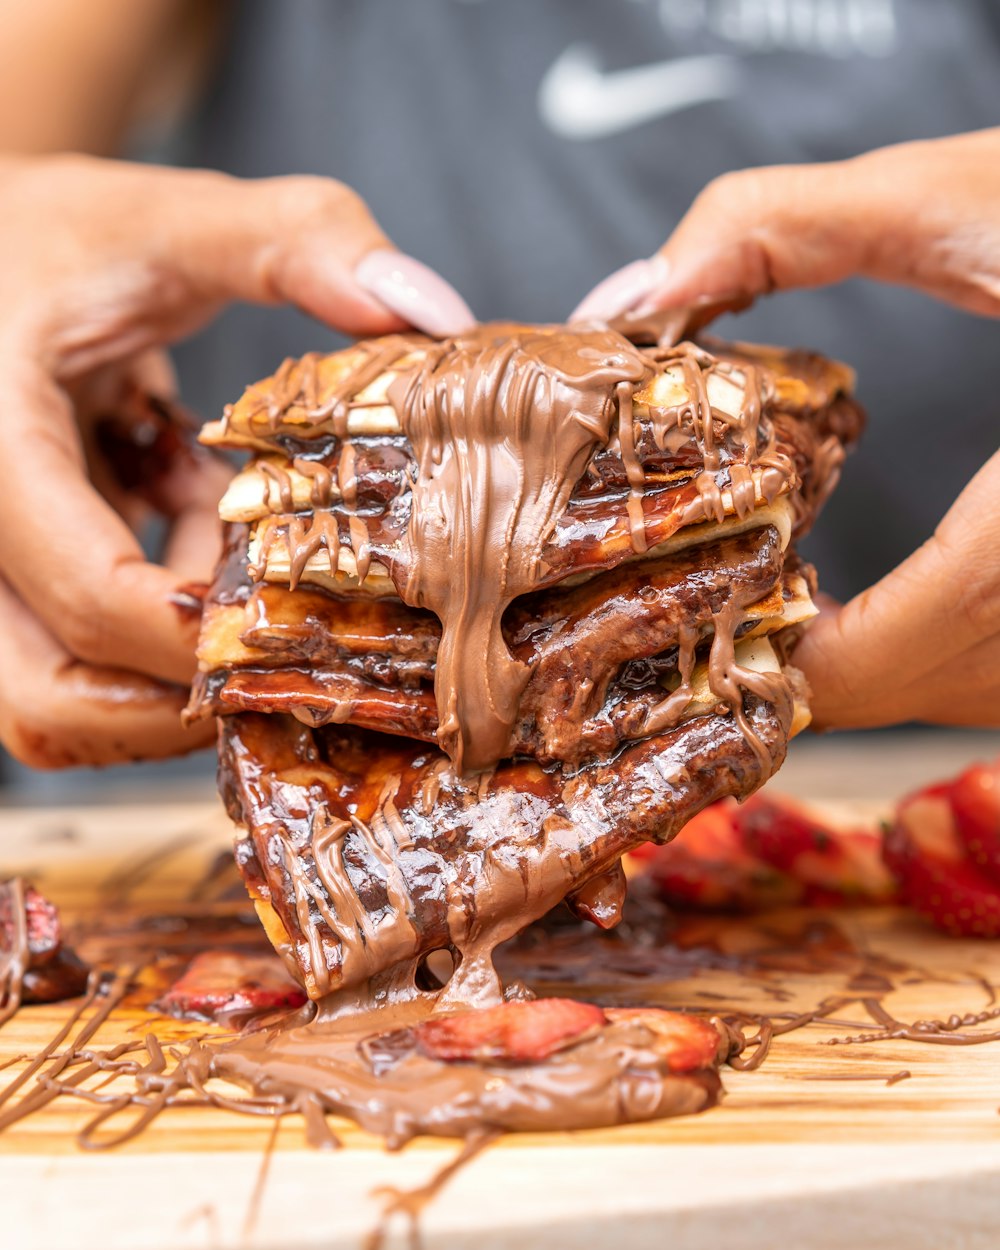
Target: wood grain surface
814, 1149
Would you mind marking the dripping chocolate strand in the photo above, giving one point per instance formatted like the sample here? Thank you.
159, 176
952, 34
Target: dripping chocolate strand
275, 473
502, 428
633, 469
323, 534
42, 1094
893, 1078
412, 1202
321, 480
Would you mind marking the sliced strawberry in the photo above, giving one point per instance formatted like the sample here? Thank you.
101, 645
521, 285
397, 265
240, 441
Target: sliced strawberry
686, 1042
52, 971
44, 925
226, 985
519, 1032
975, 800
708, 867
924, 850
835, 865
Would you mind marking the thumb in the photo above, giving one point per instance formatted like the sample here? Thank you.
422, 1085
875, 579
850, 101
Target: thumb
922, 643
150, 255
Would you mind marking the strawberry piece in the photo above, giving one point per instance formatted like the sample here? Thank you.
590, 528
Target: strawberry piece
834, 865
52, 971
518, 1032
229, 985
686, 1042
44, 926
975, 801
925, 851
708, 867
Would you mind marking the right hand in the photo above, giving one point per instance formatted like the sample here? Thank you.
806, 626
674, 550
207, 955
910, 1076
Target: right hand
924, 642
919, 214
102, 265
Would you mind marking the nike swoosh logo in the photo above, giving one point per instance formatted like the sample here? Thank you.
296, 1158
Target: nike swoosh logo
580, 100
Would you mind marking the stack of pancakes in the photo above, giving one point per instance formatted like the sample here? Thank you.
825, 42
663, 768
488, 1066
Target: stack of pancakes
492, 611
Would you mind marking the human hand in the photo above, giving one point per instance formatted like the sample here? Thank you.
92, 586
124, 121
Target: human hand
924, 642
920, 214
102, 264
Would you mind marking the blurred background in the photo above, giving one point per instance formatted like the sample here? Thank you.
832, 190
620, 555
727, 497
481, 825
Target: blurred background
526, 148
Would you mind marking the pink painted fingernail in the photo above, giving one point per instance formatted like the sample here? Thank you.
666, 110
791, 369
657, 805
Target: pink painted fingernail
622, 291
414, 292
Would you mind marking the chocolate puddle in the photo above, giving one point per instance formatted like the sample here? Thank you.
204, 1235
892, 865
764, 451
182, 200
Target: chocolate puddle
317, 1062
327, 1060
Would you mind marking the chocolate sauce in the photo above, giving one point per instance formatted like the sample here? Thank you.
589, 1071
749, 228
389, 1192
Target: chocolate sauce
316, 391
893, 1078
326, 1060
614, 1077
502, 423
502, 426
410, 1203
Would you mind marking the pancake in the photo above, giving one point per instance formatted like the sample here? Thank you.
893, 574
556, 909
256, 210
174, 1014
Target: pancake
492, 611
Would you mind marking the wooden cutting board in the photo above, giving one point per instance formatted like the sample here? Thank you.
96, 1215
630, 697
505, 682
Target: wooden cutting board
785, 1159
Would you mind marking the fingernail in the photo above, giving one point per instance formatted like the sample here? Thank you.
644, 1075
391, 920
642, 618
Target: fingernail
414, 292
622, 290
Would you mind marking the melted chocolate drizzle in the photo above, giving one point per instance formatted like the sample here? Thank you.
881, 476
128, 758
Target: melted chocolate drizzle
503, 423
502, 427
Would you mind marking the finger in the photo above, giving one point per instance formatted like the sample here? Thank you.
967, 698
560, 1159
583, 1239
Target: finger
57, 713
194, 544
760, 230
964, 691
133, 441
746, 234
185, 243
72, 560
153, 372
313, 242
922, 635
